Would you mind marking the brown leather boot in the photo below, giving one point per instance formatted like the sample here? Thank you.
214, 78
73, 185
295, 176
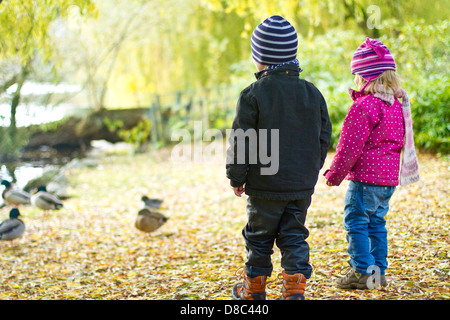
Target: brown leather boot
293, 286
250, 289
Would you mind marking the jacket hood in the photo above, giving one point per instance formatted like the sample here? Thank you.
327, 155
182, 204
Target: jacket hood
289, 69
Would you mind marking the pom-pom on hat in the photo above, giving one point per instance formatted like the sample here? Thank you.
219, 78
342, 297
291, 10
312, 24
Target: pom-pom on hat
274, 41
371, 59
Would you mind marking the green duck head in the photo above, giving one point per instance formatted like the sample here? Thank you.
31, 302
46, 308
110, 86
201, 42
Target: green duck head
6, 183
42, 188
14, 213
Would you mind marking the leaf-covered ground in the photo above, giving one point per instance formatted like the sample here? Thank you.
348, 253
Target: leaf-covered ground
91, 250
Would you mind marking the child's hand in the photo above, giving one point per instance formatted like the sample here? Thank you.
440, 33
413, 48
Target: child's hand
238, 191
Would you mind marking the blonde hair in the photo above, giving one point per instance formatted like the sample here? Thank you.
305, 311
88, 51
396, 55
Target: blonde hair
388, 81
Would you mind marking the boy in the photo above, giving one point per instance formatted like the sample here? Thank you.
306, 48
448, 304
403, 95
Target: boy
292, 115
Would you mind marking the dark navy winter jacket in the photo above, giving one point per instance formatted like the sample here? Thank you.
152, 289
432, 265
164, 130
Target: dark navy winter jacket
283, 107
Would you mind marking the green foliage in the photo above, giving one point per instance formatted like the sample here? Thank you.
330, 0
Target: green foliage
326, 63
139, 49
25, 27
10, 145
431, 114
421, 54
113, 125
138, 135
52, 126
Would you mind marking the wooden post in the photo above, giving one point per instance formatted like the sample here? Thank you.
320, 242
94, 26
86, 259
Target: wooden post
152, 116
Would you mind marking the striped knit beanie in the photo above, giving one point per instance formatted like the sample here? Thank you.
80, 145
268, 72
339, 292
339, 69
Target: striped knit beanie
274, 41
371, 59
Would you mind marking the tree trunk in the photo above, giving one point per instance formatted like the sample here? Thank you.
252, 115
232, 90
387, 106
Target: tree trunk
8, 83
16, 100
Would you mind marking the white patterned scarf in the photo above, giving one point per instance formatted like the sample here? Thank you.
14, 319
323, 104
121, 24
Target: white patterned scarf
409, 171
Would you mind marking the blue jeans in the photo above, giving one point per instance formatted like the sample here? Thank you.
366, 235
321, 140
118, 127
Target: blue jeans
277, 221
365, 208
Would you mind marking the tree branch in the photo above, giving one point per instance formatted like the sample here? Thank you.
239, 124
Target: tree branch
9, 83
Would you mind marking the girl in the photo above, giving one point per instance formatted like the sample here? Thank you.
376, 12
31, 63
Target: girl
368, 154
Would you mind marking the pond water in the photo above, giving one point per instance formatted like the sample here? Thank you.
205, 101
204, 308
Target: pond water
30, 111
33, 164
22, 173
31, 114
28, 114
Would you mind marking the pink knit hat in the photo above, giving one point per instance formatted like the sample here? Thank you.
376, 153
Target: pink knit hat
371, 59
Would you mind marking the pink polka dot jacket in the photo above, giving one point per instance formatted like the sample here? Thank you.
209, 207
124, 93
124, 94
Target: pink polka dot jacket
370, 143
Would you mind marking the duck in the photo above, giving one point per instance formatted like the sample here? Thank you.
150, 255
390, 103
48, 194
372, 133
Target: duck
151, 202
45, 200
14, 197
149, 220
13, 227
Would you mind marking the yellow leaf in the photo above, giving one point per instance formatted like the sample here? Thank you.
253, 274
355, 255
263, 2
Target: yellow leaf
131, 274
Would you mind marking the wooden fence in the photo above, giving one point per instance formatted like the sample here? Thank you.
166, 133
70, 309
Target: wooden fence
215, 107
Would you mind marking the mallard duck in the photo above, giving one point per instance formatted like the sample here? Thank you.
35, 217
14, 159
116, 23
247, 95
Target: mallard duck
14, 197
151, 202
13, 227
148, 220
45, 200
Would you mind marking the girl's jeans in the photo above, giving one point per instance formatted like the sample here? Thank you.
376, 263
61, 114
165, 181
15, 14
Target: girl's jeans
280, 221
365, 208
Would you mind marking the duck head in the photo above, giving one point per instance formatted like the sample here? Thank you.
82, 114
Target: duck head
14, 213
42, 188
6, 183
